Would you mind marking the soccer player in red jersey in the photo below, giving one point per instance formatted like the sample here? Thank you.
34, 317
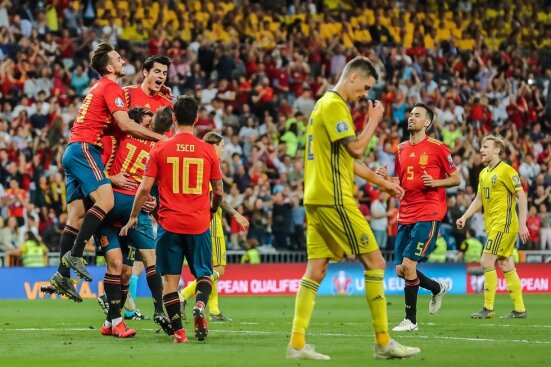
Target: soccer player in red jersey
131, 157
102, 107
425, 168
183, 165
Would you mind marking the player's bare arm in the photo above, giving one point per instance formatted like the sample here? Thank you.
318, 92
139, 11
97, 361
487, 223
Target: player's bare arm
128, 126
141, 197
356, 145
522, 215
475, 206
452, 180
361, 170
217, 195
243, 222
382, 171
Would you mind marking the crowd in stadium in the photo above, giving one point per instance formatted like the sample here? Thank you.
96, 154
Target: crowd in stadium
257, 69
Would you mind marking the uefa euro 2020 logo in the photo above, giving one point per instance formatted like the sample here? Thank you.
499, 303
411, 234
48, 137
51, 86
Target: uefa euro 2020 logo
341, 283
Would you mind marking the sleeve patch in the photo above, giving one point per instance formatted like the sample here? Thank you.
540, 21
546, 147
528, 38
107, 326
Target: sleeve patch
342, 127
119, 102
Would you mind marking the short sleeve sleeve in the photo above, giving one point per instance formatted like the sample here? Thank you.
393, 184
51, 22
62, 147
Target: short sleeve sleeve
337, 121
512, 180
114, 98
446, 160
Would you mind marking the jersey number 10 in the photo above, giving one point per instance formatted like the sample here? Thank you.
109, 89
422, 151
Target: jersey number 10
184, 178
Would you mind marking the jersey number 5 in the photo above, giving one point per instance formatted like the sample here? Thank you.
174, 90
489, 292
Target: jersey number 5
409, 171
185, 177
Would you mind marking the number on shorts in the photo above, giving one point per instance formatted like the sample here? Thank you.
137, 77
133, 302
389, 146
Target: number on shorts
131, 253
185, 180
420, 246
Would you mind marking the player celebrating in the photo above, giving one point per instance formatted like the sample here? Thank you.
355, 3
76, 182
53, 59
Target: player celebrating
183, 165
131, 158
335, 224
84, 170
218, 241
425, 168
498, 183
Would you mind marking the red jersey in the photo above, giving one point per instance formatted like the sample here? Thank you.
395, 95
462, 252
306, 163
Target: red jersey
184, 166
96, 113
136, 97
420, 203
131, 157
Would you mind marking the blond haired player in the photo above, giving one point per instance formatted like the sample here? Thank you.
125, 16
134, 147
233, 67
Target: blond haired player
335, 224
498, 185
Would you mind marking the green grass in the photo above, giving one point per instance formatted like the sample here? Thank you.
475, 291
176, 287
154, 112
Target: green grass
69, 335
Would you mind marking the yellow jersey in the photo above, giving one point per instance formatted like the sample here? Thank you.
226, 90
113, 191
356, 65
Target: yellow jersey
329, 169
497, 187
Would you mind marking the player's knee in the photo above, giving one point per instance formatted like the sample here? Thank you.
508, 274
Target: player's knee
114, 265
317, 275
148, 257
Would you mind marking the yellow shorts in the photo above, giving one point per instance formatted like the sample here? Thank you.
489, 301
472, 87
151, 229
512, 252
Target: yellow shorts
218, 251
500, 243
333, 231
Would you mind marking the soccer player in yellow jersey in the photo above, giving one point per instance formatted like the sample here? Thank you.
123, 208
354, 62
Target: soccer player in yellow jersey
218, 241
498, 185
335, 225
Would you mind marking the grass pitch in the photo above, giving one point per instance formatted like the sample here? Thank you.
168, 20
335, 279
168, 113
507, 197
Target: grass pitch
62, 333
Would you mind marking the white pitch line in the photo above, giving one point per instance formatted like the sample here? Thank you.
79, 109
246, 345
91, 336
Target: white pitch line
252, 332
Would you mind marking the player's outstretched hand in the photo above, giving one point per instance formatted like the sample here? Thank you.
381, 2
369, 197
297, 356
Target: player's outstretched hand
395, 190
242, 221
149, 204
123, 181
382, 171
428, 181
131, 224
460, 223
523, 233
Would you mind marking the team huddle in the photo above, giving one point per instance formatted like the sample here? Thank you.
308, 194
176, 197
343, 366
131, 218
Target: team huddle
133, 156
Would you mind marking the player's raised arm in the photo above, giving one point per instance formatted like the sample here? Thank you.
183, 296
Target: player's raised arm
128, 126
475, 206
361, 170
356, 145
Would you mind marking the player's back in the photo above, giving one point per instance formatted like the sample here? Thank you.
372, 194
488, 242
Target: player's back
95, 114
130, 157
184, 166
329, 168
421, 203
497, 188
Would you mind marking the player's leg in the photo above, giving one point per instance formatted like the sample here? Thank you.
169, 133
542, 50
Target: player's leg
487, 261
219, 265
198, 253
170, 257
132, 313
319, 244
507, 265
83, 162
75, 209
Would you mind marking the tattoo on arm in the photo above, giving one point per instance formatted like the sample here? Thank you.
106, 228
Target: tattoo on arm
348, 140
217, 194
227, 207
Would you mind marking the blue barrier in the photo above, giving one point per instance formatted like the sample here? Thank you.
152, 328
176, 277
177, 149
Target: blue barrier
348, 279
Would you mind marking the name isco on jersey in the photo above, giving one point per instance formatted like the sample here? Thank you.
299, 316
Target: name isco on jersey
185, 147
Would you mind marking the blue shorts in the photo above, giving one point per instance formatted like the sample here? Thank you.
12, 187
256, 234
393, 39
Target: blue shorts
415, 241
172, 248
84, 171
139, 238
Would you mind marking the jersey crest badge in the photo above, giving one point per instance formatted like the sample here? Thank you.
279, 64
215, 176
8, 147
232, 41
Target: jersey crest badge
424, 159
342, 127
494, 179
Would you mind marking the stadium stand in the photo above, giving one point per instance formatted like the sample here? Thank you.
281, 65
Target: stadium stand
257, 68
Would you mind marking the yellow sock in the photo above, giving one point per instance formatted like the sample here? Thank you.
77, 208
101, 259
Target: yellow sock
304, 306
213, 300
515, 289
490, 286
189, 291
375, 294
